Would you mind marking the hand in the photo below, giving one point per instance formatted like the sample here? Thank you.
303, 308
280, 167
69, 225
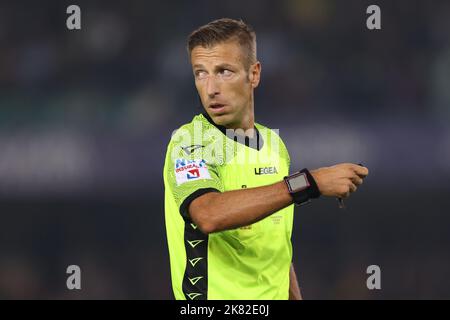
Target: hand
339, 180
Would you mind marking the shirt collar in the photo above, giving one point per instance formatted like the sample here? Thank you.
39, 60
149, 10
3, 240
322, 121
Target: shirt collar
249, 142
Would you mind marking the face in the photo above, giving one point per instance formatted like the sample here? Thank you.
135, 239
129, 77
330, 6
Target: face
224, 85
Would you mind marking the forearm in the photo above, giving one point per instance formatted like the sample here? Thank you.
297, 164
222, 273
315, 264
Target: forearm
215, 212
218, 211
294, 288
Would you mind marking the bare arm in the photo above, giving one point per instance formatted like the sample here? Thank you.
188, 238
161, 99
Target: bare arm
214, 211
294, 289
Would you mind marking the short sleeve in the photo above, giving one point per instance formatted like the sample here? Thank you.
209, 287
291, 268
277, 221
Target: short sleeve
190, 174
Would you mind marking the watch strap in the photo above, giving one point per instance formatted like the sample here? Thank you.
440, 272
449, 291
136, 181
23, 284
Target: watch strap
303, 195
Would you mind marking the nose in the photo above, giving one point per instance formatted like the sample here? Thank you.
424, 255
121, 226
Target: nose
212, 87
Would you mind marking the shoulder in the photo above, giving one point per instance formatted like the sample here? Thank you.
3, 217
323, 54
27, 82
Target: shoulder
188, 127
190, 132
191, 140
272, 136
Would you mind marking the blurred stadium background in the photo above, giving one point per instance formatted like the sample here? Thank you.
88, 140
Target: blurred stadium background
85, 117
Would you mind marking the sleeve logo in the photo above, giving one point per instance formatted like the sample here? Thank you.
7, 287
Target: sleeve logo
190, 149
189, 170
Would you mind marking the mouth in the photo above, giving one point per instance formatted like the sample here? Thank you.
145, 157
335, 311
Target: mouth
217, 107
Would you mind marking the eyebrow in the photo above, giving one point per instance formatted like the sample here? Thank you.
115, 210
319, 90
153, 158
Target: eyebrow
225, 66
220, 66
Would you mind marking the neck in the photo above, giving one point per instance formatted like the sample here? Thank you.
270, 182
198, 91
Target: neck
247, 123
245, 127
247, 120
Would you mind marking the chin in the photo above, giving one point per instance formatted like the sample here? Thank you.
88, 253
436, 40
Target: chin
222, 119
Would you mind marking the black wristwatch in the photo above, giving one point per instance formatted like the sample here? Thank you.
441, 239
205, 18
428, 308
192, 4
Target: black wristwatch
302, 187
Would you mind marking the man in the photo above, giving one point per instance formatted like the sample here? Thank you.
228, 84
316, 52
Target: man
228, 193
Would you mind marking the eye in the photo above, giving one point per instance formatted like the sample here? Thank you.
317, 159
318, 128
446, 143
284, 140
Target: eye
200, 74
226, 73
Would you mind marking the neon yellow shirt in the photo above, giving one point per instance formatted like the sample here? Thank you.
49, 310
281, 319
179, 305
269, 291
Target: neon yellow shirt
251, 262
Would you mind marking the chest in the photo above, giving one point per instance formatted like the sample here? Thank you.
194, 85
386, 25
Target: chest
250, 168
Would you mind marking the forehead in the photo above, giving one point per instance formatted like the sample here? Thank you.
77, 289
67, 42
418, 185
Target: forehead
225, 52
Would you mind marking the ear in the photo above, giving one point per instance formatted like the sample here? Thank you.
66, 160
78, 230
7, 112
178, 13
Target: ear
255, 74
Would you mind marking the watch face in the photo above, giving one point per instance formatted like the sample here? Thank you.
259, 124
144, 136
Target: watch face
299, 182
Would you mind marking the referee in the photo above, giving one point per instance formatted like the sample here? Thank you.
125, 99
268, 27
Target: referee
228, 192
